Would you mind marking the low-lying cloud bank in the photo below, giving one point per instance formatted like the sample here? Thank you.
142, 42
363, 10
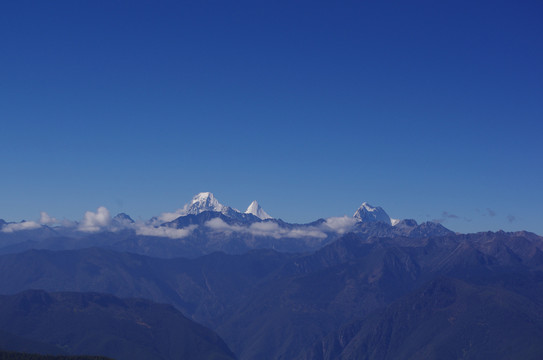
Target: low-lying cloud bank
44, 219
272, 229
340, 225
169, 216
25, 225
101, 220
163, 231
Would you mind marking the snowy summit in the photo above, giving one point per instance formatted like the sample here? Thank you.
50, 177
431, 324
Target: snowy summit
204, 201
368, 213
257, 211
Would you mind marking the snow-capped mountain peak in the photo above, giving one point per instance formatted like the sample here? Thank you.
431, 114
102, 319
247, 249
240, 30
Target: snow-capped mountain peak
368, 213
204, 201
257, 211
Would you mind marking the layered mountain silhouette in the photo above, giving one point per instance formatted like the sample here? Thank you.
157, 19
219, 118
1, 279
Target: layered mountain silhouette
362, 287
446, 319
360, 294
93, 324
203, 226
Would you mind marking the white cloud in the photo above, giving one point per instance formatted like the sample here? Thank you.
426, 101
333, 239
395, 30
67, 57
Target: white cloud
93, 222
169, 216
25, 225
45, 219
306, 232
163, 231
267, 228
340, 225
217, 224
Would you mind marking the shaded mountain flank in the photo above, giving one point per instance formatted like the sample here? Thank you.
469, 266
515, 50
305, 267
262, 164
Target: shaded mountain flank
272, 305
445, 319
101, 324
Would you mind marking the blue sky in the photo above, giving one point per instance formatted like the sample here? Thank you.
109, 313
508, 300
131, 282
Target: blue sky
432, 110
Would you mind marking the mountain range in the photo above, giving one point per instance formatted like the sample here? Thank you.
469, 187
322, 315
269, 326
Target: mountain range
205, 225
209, 281
271, 305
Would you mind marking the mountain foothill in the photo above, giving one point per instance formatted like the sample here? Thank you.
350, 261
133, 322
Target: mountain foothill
211, 282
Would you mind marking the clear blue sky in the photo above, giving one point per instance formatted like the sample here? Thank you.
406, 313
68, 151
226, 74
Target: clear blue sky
430, 109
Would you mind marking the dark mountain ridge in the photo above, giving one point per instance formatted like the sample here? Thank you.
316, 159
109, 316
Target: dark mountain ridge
444, 319
274, 305
100, 324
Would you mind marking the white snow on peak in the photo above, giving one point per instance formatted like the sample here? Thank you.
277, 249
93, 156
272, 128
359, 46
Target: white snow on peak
368, 207
394, 222
204, 201
368, 213
257, 211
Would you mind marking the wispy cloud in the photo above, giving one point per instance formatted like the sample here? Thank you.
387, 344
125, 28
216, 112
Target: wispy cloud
25, 225
218, 225
486, 212
169, 216
267, 228
445, 215
163, 231
340, 225
511, 218
93, 222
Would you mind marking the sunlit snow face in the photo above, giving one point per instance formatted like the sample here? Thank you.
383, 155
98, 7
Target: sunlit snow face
366, 212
